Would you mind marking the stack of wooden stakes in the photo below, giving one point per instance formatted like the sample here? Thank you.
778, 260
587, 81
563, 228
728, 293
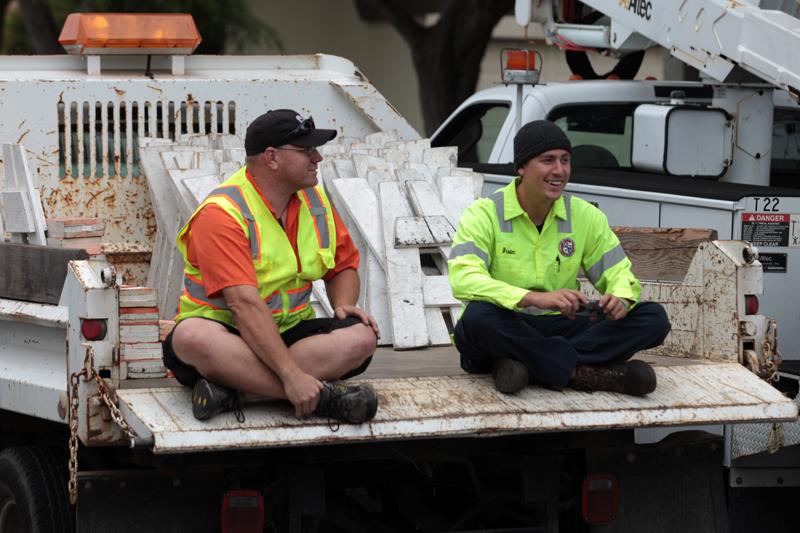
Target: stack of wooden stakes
21, 213
180, 174
401, 202
140, 347
83, 233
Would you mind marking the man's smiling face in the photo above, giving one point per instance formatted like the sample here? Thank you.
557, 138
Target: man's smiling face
545, 176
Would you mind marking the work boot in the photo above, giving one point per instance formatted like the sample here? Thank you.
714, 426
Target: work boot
210, 399
353, 404
631, 377
509, 375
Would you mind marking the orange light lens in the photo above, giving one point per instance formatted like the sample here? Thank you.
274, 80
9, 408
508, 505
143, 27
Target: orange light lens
85, 32
520, 60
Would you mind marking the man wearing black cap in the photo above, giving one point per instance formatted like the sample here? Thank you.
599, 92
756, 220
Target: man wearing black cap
245, 326
515, 260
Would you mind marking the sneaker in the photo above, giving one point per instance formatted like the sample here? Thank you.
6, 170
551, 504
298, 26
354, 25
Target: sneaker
631, 377
210, 399
509, 375
353, 404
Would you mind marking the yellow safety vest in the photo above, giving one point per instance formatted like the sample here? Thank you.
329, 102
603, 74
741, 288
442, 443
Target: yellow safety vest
498, 255
283, 284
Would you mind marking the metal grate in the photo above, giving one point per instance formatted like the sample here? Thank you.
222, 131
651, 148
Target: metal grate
100, 139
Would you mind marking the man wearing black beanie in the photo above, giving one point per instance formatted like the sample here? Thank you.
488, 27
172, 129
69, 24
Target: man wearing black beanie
514, 263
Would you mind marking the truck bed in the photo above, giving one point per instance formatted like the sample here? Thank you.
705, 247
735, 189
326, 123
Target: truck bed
424, 393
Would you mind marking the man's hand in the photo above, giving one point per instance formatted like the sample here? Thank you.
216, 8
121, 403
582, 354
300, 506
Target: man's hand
612, 307
565, 301
343, 311
303, 391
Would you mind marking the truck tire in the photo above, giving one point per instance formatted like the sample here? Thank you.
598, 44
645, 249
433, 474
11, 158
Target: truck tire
33, 492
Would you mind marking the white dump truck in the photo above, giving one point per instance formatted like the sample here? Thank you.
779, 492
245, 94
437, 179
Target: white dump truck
96, 436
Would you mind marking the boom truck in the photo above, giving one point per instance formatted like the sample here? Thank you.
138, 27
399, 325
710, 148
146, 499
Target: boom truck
96, 436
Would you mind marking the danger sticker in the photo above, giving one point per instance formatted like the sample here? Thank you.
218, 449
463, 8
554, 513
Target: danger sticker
766, 229
766, 217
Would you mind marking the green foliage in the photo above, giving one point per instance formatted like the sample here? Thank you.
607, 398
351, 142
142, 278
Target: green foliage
220, 23
15, 38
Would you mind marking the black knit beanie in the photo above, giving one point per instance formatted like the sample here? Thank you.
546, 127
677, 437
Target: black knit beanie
536, 137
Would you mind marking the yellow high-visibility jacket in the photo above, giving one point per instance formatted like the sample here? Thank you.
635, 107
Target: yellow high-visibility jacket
285, 289
498, 254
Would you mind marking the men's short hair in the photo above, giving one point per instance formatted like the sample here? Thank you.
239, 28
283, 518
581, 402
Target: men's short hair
537, 137
283, 126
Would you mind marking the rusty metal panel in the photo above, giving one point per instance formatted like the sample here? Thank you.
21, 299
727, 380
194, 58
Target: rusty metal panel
81, 132
464, 405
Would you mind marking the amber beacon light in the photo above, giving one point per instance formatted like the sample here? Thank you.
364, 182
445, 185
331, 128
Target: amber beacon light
129, 33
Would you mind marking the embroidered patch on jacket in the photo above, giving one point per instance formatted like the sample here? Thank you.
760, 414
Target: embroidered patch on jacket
567, 247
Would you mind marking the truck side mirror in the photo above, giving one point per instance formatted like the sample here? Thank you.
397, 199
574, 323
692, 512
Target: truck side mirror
681, 140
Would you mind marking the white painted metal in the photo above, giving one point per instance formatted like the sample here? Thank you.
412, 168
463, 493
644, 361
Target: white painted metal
461, 405
713, 36
33, 360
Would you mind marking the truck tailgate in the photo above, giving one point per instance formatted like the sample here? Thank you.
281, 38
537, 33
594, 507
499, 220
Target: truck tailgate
441, 401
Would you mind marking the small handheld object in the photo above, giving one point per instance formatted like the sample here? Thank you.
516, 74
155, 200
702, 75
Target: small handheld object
591, 309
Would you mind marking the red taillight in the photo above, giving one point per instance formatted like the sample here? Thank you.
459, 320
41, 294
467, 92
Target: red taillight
751, 304
600, 498
93, 329
243, 512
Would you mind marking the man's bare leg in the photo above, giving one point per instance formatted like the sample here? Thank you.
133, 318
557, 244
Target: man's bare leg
226, 359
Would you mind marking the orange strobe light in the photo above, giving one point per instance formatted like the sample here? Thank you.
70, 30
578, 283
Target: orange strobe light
129, 33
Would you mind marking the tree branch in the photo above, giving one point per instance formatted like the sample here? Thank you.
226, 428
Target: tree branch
401, 19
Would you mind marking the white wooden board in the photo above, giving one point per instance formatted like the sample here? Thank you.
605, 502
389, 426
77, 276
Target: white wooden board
20, 200
403, 275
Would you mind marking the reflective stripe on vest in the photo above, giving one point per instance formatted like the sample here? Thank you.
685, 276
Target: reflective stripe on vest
235, 196
319, 213
198, 293
609, 259
565, 226
499, 200
466, 248
297, 297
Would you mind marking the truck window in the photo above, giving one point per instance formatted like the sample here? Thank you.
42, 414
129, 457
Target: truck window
785, 163
474, 131
600, 133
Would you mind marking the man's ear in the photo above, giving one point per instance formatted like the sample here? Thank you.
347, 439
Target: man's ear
271, 159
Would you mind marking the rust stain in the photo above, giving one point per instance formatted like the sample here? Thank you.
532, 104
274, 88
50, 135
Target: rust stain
119, 92
19, 140
19, 126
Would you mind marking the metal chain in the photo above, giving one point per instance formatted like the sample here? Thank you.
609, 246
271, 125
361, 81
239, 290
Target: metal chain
775, 441
116, 414
109, 399
772, 357
72, 484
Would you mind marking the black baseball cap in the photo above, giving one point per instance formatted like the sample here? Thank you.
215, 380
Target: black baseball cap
283, 126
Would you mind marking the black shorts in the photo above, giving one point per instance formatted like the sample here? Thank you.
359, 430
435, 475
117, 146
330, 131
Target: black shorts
187, 374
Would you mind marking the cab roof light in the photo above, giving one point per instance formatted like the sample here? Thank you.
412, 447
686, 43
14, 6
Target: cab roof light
129, 33
520, 65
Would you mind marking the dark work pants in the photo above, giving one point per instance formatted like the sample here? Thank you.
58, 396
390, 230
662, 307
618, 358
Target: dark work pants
551, 346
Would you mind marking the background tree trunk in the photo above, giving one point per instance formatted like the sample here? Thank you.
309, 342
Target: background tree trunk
447, 55
39, 25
